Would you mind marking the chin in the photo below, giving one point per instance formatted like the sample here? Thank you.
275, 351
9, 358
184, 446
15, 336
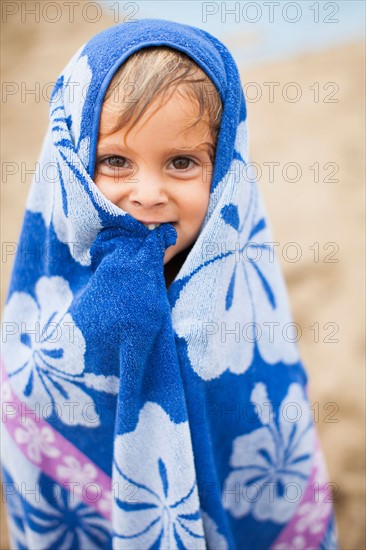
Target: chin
170, 253
178, 253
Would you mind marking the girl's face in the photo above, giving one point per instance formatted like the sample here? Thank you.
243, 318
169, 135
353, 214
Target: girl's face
163, 172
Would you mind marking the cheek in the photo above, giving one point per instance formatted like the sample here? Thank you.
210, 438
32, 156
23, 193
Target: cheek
200, 210
194, 206
191, 223
100, 182
108, 188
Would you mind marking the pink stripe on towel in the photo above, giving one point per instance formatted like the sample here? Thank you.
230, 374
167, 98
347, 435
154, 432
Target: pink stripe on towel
307, 527
52, 453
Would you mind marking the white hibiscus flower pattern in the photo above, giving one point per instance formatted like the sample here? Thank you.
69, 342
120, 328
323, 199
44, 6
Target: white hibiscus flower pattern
38, 441
271, 465
225, 321
44, 354
160, 507
60, 188
79, 474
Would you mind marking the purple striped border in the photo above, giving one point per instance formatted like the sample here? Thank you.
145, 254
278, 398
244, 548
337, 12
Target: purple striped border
54, 455
307, 527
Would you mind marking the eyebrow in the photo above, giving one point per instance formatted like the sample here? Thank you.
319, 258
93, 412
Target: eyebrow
202, 146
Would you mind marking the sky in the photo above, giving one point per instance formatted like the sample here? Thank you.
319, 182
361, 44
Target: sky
258, 31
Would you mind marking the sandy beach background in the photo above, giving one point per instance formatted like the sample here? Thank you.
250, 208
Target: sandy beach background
323, 134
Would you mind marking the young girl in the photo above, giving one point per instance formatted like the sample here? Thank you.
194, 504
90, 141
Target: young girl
153, 393
176, 101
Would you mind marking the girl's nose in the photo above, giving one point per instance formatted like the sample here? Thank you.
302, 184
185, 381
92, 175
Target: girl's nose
147, 193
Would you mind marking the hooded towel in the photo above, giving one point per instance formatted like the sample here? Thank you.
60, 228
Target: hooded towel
138, 417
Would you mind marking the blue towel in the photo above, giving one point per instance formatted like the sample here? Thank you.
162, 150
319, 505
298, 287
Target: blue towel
141, 417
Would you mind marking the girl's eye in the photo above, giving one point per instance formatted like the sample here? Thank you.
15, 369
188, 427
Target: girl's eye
182, 163
115, 162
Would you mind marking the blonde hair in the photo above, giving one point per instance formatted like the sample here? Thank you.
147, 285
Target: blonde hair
154, 71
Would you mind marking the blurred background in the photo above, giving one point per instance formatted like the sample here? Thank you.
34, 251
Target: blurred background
302, 66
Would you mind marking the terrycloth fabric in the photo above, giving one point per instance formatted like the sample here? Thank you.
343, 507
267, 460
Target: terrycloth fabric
141, 418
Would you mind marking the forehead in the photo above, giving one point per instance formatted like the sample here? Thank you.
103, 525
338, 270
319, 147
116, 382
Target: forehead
175, 112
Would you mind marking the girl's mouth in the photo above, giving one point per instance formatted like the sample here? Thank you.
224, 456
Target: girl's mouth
154, 225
